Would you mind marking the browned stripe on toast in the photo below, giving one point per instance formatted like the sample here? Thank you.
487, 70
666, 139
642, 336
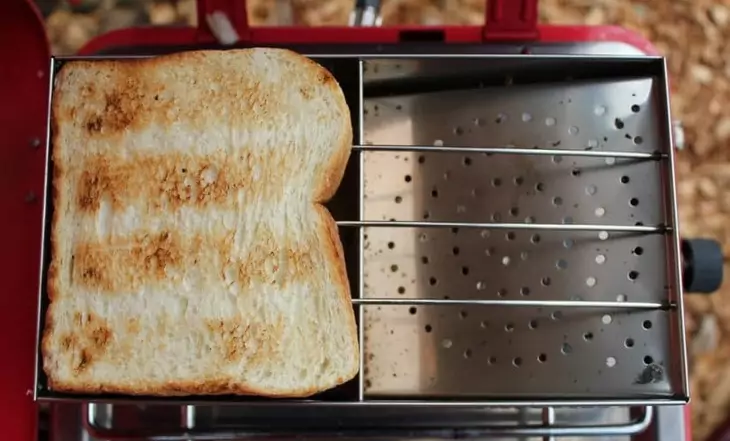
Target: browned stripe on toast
87, 342
125, 264
175, 180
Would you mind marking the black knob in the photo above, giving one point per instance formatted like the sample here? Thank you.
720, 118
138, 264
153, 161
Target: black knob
702, 265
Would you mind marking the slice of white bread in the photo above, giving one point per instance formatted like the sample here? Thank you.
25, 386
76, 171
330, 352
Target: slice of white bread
190, 250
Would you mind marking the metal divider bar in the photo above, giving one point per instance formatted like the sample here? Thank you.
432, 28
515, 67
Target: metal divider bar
511, 151
648, 306
361, 237
644, 229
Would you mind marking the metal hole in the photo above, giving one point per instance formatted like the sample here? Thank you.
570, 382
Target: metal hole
408, 178
629, 343
606, 319
634, 202
478, 122
591, 144
603, 235
505, 260
646, 324
432, 281
638, 251
621, 298
525, 291
611, 362
625, 179
600, 211
535, 238
618, 123
561, 264
514, 211
591, 281
600, 259
557, 201
524, 255
456, 251
526, 117
501, 117
566, 349
635, 108
467, 353
633, 275
517, 362
485, 234
458, 131
434, 193
545, 281
557, 159
463, 314
573, 130
496, 217
638, 140
467, 161
530, 220
465, 270
394, 268
648, 360
492, 360
428, 328
424, 259
455, 230
481, 286
509, 327
401, 290
591, 190
568, 220
438, 143
568, 243
423, 237
540, 186
398, 199
489, 251
550, 121
556, 315
501, 292
599, 110
496, 182
588, 336
575, 172
610, 161
484, 324
510, 236
412, 310
532, 324
542, 358
421, 159
391, 245
446, 343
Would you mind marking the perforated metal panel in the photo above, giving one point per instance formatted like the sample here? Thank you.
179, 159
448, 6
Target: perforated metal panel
523, 350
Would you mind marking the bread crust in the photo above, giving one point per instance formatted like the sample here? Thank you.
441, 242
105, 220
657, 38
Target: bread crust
117, 122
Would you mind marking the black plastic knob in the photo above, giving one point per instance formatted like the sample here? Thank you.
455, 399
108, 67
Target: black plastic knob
702, 265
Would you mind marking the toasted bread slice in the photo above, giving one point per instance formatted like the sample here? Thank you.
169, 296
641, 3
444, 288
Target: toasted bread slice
190, 252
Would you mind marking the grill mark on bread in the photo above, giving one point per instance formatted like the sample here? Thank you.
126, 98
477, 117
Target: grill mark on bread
253, 342
173, 181
87, 343
125, 264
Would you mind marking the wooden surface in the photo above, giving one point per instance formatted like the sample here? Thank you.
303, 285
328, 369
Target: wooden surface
693, 34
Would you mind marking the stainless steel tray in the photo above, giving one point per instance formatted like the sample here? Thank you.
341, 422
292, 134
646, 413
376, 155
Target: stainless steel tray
510, 231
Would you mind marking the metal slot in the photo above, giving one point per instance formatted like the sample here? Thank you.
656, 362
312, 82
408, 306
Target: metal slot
553, 422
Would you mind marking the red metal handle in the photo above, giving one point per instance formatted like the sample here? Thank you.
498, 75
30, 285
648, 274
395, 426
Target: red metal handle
511, 20
505, 19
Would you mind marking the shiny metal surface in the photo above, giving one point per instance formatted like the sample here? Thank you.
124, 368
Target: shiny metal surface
426, 403
502, 351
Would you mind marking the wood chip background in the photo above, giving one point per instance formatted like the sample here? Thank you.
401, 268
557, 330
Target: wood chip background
693, 34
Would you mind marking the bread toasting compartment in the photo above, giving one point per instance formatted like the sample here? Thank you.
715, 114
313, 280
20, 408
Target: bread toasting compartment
189, 247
